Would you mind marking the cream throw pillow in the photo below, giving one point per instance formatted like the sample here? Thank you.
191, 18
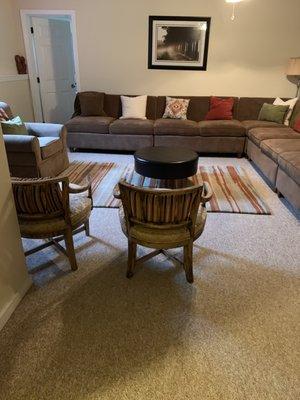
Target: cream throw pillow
134, 107
291, 103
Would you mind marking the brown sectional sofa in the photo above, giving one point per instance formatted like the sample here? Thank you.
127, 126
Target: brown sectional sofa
112, 133
274, 148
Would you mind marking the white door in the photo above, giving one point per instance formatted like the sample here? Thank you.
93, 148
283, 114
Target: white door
53, 49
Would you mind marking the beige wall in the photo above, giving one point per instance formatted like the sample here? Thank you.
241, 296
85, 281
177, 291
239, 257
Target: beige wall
246, 58
16, 93
14, 279
11, 40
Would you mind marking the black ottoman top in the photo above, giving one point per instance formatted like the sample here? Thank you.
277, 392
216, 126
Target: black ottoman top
164, 162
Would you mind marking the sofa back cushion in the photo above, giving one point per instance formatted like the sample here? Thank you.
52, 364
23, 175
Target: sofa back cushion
249, 107
198, 106
91, 104
197, 109
113, 106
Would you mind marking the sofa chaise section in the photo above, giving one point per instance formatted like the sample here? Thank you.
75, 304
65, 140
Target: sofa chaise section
288, 177
255, 140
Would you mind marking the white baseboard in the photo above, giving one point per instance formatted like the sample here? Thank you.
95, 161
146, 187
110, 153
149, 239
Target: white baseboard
6, 313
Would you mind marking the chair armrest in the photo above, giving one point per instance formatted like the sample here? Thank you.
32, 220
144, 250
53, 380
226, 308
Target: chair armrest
21, 144
44, 130
77, 189
116, 192
207, 193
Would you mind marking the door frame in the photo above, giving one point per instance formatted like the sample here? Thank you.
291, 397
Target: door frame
29, 51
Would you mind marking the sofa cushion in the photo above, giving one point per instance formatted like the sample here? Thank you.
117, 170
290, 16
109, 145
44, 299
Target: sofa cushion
89, 124
250, 124
257, 135
132, 126
91, 104
290, 163
222, 128
50, 146
274, 147
179, 127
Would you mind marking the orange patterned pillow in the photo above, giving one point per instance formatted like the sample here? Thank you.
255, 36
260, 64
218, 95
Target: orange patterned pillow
176, 108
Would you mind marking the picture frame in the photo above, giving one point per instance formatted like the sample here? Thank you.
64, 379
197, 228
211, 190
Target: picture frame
178, 43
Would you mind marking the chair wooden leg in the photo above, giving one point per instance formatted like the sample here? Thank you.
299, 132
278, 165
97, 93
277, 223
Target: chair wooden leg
87, 227
188, 261
70, 249
131, 258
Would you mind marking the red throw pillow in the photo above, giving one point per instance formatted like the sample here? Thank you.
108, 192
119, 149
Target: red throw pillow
220, 108
297, 125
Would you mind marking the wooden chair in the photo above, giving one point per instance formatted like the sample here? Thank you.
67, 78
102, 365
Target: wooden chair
162, 219
51, 209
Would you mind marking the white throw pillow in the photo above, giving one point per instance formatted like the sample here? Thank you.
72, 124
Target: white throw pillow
134, 107
291, 103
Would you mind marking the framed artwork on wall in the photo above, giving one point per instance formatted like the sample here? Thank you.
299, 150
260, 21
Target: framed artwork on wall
178, 42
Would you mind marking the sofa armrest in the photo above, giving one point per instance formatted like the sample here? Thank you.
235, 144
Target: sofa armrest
44, 130
21, 144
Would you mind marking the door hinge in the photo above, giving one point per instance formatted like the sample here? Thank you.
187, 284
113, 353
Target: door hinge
38, 79
31, 29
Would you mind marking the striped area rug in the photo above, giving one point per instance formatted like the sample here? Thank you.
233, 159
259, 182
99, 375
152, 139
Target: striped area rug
232, 187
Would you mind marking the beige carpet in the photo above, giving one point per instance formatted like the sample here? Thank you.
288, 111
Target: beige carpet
93, 334
233, 190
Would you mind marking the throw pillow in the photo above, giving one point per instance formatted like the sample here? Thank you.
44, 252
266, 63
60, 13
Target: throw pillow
3, 115
91, 104
134, 107
272, 113
220, 109
297, 125
176, 108
291, 103
14, 126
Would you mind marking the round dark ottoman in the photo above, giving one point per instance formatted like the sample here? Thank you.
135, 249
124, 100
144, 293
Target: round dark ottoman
165, 162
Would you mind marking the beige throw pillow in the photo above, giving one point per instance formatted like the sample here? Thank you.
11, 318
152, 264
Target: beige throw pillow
291, 103
134, 107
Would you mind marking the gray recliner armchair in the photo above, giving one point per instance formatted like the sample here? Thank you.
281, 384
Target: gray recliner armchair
41, 153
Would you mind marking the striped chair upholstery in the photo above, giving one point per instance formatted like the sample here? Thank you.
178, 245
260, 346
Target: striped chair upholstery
48, 208
163, 219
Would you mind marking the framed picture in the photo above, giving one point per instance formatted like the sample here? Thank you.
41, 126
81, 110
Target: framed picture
178, 42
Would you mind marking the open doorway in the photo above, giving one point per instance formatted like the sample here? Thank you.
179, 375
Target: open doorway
51, 51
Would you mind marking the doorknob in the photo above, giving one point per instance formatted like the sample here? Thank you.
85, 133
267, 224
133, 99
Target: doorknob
73, 85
